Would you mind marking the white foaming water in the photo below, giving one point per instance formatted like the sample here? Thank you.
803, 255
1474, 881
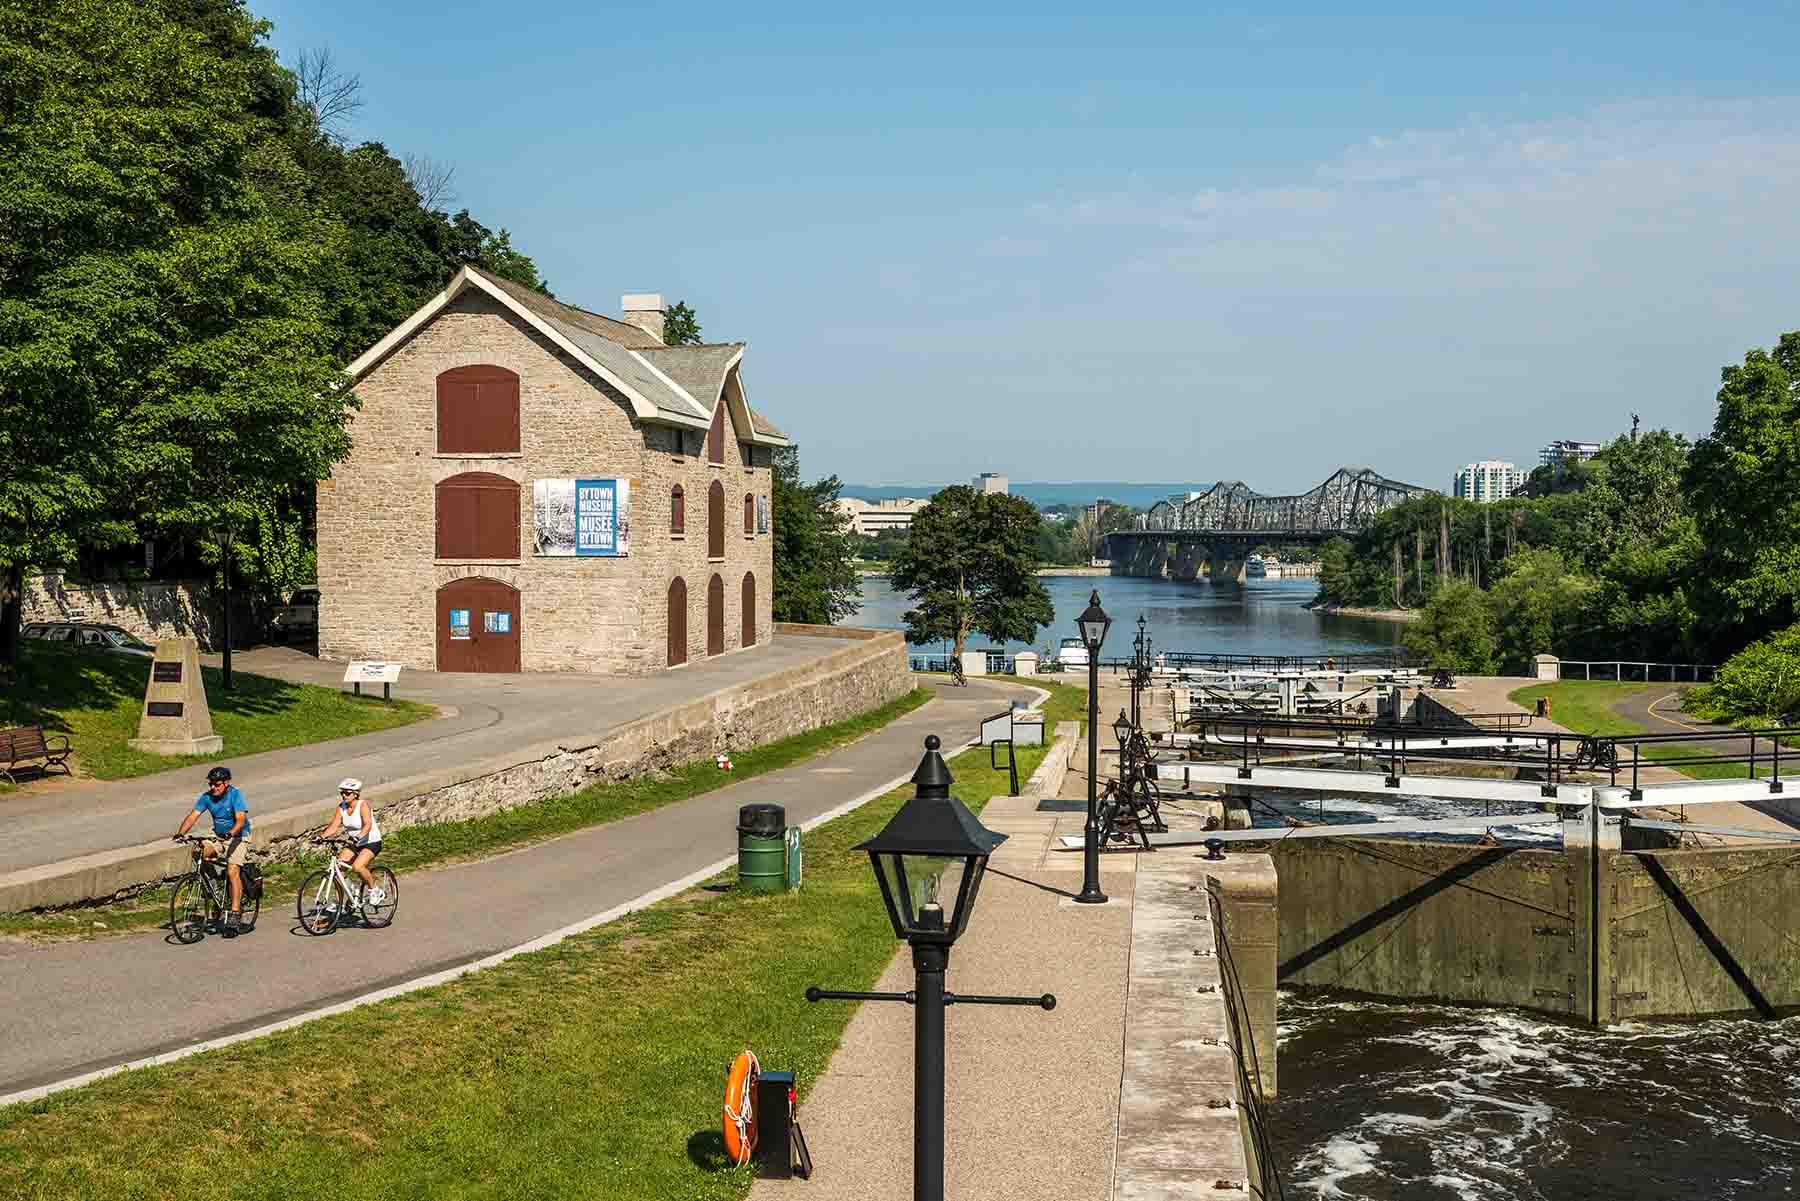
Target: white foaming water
1386, 1101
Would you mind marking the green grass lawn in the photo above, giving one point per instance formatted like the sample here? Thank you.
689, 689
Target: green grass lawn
1585, 706
96, 700
594, 1068
445, 842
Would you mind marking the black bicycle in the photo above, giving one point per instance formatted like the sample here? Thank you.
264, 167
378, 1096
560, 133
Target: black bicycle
956, 672
203, 896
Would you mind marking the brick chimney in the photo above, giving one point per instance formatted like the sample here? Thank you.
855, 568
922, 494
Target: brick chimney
644, 310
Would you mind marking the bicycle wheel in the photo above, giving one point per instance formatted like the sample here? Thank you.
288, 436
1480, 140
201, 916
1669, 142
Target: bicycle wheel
382, 916
252, 908
320, 903
188, 911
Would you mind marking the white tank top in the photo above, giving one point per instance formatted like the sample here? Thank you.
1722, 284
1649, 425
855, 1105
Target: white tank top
352, 818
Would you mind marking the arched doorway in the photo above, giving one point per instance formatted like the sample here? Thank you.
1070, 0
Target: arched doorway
478, 623
715, 616
677, 622
749, 636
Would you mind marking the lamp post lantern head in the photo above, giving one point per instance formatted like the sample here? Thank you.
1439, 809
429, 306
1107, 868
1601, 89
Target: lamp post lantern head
1122, 727
930, 857
1093, 624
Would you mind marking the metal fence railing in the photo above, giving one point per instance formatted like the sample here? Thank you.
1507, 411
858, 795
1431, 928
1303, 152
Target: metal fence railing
1265, 1179
998, 663
1629, 670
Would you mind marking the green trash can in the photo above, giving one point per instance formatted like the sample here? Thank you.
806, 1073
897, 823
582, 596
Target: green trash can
762, 848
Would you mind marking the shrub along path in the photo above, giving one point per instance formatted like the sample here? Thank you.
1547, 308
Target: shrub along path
73, 1007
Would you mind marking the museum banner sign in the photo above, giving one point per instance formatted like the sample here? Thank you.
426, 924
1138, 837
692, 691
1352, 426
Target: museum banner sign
582, 518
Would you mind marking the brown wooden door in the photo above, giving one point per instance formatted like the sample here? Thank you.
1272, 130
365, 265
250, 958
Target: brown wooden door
677, 622
485, 636
749, 635
715, 616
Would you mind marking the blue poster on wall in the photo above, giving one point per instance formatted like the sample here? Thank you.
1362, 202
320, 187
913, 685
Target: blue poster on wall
459, 623
588, 517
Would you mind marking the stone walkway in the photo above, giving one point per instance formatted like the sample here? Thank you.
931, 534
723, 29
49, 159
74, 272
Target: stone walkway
1032, 1099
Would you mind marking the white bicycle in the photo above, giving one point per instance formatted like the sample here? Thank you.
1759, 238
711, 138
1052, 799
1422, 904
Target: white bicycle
334, 895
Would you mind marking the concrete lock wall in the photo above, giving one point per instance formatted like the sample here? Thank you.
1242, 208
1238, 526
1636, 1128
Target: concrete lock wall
1649, 934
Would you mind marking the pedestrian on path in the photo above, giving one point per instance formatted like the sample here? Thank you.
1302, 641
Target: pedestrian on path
231, 824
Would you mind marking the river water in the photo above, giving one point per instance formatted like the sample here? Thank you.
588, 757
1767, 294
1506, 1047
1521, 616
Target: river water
1260, 617
1409, 1102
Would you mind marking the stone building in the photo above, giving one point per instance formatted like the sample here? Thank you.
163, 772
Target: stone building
534, 487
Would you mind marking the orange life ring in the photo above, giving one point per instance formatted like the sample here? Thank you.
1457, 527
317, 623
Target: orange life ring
740, 1113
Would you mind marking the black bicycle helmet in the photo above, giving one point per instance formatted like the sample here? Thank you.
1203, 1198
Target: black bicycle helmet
217, 774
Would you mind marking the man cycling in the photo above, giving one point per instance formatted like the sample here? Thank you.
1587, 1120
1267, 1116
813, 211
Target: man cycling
356, 818
231, 825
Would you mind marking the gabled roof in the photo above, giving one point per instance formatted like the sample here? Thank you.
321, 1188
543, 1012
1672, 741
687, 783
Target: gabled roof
673, 385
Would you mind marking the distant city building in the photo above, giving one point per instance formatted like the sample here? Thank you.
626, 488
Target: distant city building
870, 517
1564, 451
1488, 480
1097, 510
990, 481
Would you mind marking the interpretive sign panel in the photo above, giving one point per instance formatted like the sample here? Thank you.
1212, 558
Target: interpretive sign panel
372, 671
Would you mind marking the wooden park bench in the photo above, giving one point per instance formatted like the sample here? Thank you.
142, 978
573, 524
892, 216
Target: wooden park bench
24, 744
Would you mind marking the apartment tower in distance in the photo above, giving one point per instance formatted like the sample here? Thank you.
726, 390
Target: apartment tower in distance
990, 481
1488, 480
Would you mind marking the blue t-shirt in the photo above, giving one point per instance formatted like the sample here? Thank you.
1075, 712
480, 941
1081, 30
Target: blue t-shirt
224, 809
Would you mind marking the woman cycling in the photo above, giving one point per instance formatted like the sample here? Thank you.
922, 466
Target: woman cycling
355, 818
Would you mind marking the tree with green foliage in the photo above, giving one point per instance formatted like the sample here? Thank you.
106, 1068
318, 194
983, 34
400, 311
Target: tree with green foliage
1743, 482
165, 350
970, 566
1537, 604
680, 326
1760, 685
815, 578
1455, 631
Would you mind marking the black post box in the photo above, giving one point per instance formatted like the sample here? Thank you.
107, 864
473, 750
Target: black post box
780, 1147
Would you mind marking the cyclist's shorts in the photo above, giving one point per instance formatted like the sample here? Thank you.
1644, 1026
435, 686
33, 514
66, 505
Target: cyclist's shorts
374, 849
234, 850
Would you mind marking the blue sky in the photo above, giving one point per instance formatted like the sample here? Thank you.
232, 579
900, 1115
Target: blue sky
1136, 243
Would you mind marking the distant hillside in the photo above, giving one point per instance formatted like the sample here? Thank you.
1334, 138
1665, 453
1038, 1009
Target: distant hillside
1138, 496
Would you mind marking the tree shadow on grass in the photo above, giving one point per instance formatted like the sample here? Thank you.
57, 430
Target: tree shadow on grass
706, 1148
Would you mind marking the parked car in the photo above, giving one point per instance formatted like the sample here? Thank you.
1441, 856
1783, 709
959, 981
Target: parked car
299, 618
90, 636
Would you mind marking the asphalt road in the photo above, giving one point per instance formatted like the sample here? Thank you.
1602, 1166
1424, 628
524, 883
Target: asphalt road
494, 715
70, 1008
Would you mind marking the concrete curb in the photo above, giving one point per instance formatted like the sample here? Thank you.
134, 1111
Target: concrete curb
103, 875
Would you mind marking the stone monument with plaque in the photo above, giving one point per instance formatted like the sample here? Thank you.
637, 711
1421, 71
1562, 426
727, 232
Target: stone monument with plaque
176, 719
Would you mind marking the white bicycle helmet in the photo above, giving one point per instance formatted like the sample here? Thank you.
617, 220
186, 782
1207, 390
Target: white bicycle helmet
350, 784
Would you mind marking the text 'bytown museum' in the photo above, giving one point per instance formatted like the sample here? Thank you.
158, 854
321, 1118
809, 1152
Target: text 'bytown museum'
533, 487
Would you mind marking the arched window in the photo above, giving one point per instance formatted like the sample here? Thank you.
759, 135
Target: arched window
749, 617
715, 437
715, 616
749, 513
677, 510
477, 517
715, 520
477, 411
677, 621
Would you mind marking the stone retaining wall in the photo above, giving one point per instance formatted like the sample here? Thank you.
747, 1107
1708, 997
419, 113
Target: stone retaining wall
868, 672
153, 610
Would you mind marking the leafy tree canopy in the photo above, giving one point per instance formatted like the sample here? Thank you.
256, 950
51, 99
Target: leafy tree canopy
680, 326
1456, 630
971, 566
815, 580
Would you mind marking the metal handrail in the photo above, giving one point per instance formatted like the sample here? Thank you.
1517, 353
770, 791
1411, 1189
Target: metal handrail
1012, 763
1243, 1054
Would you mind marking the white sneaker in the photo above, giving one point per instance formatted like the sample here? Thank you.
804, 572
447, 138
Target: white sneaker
377, 896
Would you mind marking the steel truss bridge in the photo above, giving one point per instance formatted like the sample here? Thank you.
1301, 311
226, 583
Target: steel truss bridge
1345, 503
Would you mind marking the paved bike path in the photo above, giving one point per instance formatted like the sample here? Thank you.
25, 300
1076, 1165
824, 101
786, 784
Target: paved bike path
71, 1008
495, 717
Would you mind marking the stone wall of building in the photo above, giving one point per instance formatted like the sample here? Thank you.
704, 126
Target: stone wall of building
378, 571
152, 610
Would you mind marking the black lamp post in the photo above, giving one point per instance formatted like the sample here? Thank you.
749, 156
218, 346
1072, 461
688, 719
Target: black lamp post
1122, 728
929, 861
1093, 624
227, 536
